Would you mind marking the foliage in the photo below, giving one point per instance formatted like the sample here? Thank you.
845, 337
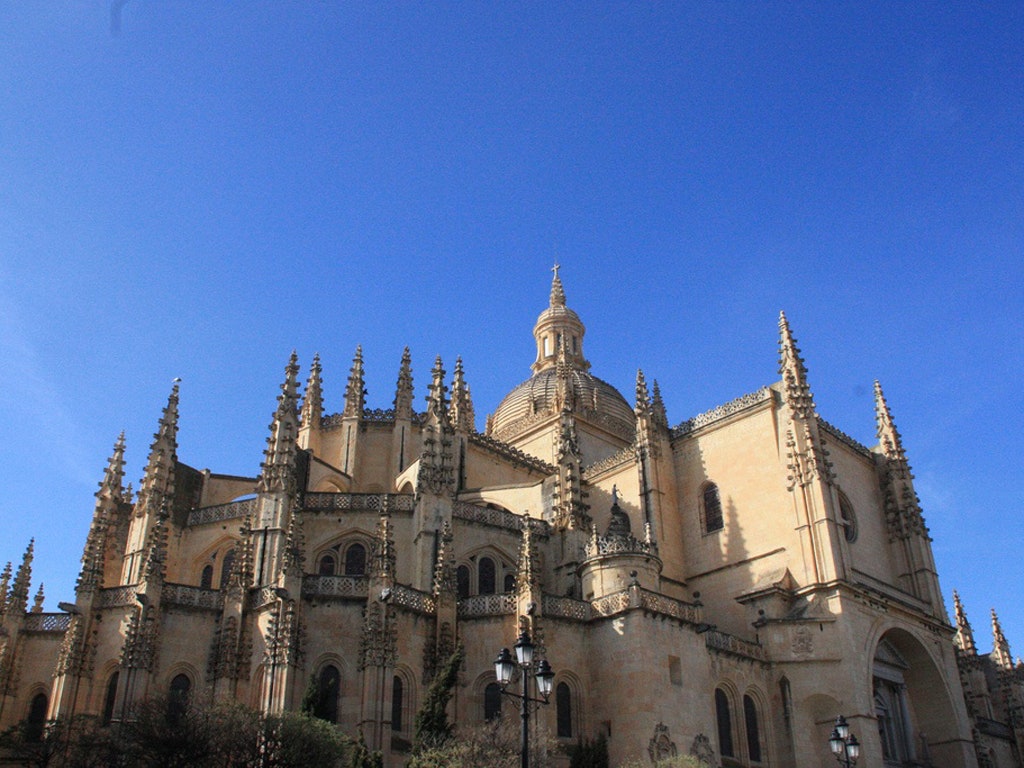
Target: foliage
296, 740
589, 753
362, 757
432, 726
494, 744
679, 761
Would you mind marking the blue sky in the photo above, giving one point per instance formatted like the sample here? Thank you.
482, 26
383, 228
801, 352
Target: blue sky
195, 189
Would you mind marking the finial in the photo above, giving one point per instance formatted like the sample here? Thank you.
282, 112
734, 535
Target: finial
37, 603
557, 291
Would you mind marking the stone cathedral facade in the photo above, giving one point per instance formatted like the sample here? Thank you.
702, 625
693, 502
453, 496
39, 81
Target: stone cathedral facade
723, 587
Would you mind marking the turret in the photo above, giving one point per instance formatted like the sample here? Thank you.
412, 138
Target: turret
312, 409
556, 324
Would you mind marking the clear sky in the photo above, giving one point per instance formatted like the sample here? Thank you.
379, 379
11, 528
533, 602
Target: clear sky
194, 189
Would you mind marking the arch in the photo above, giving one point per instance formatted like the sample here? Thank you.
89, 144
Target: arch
327, 564
510, 582
403, 709
328, 692
492, 701
486, 576
355, 559
35, 718
723, 721
179, 696
110, 698
397, 703
711, 519
847, 518
752, 728
226, 566
206, 578
563, 711
330, 485
462, 581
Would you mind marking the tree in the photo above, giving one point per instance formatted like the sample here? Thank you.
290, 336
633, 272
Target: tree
362, 757
589, 754
432, 726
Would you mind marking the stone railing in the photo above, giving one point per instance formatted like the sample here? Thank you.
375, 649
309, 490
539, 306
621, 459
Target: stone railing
499, 518
374, 415
487, 605
262, 596
187, 596
413, 599
46, 622
620, 545
330, 502
233, 510
609, 605
513, 454
668, 606
115, 597
627, 454
722, 641
722, 411
335, 586
844, 438
567, 608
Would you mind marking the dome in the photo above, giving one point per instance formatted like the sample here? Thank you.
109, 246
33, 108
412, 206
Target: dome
596, 402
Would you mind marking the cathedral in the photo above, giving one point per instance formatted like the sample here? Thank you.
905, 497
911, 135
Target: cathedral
724, 587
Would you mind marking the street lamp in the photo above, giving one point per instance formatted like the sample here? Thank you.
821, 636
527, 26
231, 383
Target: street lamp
505, 666
844, 745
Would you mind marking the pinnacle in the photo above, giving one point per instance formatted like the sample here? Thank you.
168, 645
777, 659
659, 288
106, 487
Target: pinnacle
886, 430
794, 373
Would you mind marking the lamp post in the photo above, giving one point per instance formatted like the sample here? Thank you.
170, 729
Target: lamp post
844, 745
505, 665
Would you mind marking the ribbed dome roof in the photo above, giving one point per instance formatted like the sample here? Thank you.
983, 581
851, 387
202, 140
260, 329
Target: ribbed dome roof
597, 401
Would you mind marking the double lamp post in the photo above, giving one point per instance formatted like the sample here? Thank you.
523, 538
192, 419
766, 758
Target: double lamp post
504, 667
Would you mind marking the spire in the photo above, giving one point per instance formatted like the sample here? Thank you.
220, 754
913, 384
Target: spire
557, 291
964, 634
313, 398
110, 494
157, 487
461, 410
794, 374
437, 401
1000, 647
355, 392
37, 603
5, 587
527, 578
112, 485
278, 472
892, 443
384, 545
22, 582
658, 407
444, 570
643, 397
403, 390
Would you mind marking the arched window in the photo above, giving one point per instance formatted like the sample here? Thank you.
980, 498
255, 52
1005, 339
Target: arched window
225, 568
711, 509
36, 720
563, 710
396, 704
848, 518
462, 581
206, 580
510, 582
492, 701
723, 714
355, 560
328, 565
178, 697
487, 577
753, 734
110, 698
328, 685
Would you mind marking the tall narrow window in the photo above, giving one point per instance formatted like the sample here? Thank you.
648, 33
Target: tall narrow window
110, 698
848, 518
753, 734
178, 697
36, 720
327, 566
711, 509
723, 715
396, 704
225, 568
492, 701
355, 560
563, 710
462, 581
328, 685
206, 580
487, 577
510, 582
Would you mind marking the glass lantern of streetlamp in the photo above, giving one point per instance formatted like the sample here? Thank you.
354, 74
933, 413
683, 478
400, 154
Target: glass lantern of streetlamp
853, 748
504, 665
842, 728
545, 678
524, 650
835, 742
